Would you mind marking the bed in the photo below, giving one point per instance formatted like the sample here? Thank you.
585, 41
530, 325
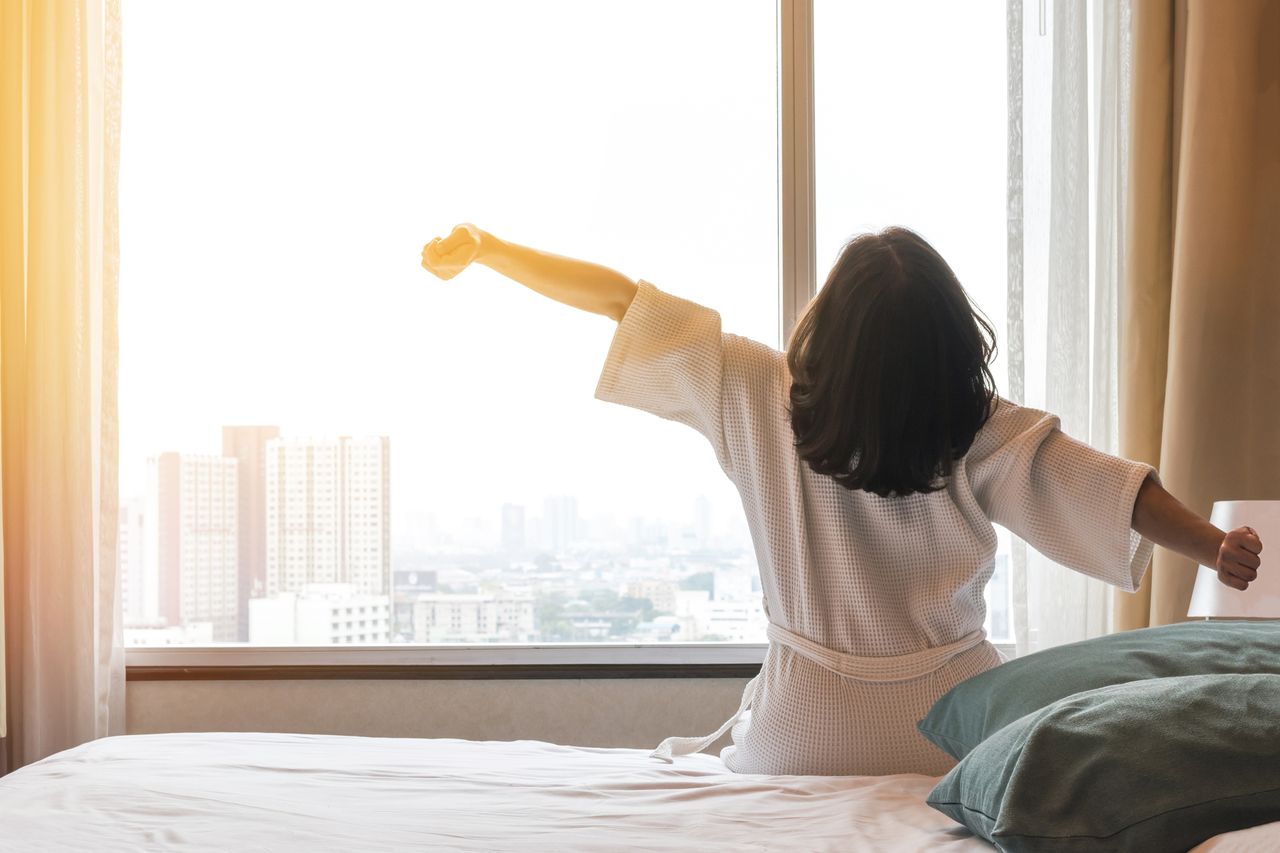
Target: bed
254, 791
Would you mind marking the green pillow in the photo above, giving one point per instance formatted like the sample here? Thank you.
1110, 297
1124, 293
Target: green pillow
979, 706
1153, 765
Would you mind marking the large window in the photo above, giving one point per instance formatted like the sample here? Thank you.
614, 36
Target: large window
323, 444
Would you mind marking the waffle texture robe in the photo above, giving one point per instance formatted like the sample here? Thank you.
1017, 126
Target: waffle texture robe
875, 603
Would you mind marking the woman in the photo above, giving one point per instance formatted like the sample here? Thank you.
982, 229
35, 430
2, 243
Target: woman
872, 458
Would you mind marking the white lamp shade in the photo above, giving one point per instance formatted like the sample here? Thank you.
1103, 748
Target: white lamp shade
1261, 600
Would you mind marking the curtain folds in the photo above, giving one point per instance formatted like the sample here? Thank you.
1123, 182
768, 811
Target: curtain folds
1201, 308
1068, 153
60, 649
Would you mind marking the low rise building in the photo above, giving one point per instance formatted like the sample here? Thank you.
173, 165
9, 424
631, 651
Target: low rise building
320, 615
473, 618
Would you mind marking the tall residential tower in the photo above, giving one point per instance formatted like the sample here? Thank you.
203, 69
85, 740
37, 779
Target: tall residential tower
328, 513
193, 499
248, 446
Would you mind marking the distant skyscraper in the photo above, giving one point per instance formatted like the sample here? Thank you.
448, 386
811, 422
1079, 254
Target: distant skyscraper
512, 528
248, 446
560, 522
536, 528
702, 520
195, 500
329, 513
137, 585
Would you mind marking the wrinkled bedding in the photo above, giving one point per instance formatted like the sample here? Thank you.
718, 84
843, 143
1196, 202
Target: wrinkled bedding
284, 792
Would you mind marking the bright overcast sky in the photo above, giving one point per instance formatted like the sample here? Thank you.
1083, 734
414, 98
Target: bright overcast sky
284, 162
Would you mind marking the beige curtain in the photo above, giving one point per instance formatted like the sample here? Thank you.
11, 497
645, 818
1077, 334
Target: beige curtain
1200, 313
63, 672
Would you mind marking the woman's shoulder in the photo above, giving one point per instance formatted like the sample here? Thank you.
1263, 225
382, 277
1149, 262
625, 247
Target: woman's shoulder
1005, 413
741, 352
1008, 423
756, 355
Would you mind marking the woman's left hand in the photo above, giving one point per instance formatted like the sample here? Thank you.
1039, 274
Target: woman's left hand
1238, 559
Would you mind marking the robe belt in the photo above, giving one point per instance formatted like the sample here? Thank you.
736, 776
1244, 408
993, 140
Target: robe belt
884, 668
876, 669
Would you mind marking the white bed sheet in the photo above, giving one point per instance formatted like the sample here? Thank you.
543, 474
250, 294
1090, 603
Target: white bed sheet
284, 792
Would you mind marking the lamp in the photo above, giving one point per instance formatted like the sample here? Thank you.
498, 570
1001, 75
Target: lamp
1212, 598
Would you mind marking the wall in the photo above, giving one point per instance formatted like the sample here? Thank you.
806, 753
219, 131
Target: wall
584, 712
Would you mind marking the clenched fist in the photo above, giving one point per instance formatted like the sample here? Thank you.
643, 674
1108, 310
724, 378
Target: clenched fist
1238, 559
448, 256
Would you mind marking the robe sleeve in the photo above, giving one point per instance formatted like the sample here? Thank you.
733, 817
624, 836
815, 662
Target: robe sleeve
1069, 501
669, 357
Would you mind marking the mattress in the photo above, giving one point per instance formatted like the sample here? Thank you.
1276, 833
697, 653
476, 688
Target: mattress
242, 792
286, 792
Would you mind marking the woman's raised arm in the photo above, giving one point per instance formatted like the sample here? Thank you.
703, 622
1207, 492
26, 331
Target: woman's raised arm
590, 287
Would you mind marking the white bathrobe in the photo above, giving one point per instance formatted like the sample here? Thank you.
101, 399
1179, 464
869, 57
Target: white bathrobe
875, 604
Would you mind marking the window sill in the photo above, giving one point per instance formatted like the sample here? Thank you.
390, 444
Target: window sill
568, 661
233, 662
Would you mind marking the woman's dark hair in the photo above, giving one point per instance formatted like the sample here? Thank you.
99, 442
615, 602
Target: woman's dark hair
890, 368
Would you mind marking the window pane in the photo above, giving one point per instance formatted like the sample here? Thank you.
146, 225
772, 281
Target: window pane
910, 128
432, 465
910, 124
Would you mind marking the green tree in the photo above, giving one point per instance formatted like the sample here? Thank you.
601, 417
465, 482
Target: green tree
642, 607
601, 599
699, 580
549, 616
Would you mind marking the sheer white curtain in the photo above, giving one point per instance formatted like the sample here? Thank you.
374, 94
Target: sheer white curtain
1068, 131
61, 659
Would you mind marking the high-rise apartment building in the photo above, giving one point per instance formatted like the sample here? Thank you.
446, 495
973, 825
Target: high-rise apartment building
137, 584
193, 499
328, 513
248, 446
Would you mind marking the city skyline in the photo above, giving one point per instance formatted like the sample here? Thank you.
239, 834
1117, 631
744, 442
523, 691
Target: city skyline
458, 510
285, 539
563, 575
447, 520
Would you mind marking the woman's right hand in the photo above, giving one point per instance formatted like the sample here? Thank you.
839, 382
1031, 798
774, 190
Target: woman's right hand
1238, 559
448, 256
